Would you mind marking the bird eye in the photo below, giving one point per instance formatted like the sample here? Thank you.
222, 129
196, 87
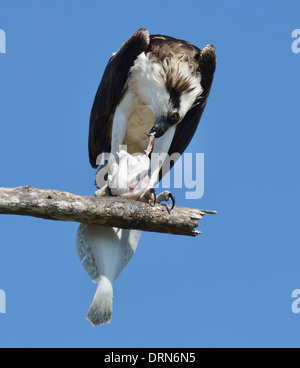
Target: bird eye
174, 116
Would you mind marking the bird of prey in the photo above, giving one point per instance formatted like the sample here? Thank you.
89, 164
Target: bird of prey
156, 85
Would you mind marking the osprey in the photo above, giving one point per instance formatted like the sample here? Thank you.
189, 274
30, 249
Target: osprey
156, 85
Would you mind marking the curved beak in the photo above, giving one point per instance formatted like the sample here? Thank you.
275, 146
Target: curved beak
159, 128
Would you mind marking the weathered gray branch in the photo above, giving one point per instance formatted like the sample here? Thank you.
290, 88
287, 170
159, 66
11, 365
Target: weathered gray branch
106, 211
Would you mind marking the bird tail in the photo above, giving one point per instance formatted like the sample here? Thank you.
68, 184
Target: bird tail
100, 311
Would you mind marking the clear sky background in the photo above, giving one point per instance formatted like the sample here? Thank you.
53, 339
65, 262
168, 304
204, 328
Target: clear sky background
230, 286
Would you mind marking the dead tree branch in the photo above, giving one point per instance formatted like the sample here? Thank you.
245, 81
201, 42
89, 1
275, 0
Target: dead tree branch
106, 211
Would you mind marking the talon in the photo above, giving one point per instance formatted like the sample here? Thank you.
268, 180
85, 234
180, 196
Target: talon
152, 191
166, 196
148, 196
173, 201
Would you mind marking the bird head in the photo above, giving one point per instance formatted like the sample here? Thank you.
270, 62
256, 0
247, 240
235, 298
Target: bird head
180, 90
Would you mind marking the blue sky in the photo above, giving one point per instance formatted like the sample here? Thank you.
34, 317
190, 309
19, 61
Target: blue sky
230, 286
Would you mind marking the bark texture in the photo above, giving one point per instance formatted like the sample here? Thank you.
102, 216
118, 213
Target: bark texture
106, 211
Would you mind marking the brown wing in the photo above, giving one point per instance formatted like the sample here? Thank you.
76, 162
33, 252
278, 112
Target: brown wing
187, 127
110, 92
